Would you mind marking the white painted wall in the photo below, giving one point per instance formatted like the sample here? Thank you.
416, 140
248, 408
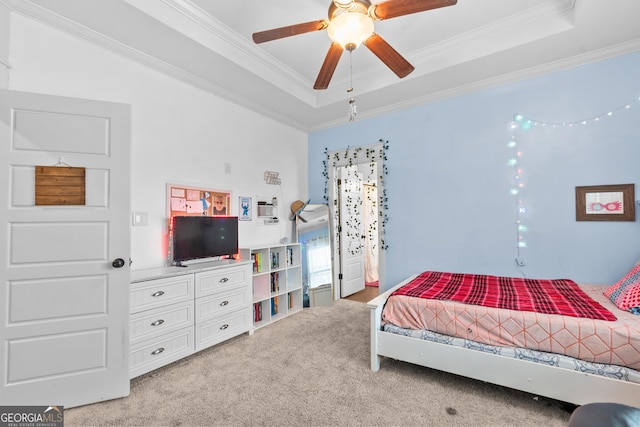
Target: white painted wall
180, 134
4, 46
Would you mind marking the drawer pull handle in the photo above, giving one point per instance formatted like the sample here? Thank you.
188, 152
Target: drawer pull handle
223, 327
158, 294
223, 303
158, 351
157, 322
224, 280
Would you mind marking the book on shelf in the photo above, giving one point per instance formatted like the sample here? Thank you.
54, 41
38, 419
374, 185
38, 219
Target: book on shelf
257, 312
274, 306
275, 260
257, 258
289, 256
275, 281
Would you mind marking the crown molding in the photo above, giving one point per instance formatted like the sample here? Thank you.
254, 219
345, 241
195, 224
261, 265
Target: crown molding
28, 9
548, 19
215, 35
229, 38
520, 75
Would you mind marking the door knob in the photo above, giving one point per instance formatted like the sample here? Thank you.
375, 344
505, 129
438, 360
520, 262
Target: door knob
118, 263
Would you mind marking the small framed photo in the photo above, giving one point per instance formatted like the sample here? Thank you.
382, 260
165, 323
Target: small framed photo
245, 209
606, 203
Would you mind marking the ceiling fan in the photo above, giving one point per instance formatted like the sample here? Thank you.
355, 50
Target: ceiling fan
350, 23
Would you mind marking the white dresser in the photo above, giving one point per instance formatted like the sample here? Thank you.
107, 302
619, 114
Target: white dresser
176, 311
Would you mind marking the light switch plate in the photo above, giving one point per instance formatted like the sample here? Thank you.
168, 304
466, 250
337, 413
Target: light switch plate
139, 219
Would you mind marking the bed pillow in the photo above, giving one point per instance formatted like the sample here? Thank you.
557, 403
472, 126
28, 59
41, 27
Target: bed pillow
630, 300
625, 293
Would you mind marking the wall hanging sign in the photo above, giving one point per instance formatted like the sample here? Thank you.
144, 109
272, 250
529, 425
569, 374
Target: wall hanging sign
605, 203
245, 209
60, 185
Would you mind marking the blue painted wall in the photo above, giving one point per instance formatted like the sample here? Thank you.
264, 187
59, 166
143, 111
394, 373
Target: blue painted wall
448, 186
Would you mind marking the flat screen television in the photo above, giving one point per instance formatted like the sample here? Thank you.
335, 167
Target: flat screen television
197, 237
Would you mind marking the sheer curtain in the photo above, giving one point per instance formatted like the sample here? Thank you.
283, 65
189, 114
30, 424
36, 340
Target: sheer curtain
319, 261
371, 235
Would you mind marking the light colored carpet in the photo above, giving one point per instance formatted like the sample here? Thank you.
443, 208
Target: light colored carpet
312, 369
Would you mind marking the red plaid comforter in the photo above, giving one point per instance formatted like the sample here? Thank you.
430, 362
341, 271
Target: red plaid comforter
559, 296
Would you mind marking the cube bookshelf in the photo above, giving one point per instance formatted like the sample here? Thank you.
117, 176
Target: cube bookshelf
277, 282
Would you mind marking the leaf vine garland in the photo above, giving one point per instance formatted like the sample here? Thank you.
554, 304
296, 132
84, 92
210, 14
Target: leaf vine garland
376, 157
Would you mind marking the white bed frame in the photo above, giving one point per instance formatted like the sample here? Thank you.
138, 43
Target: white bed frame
556, 383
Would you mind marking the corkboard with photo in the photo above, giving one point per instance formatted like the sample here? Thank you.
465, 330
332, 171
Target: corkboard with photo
193, 201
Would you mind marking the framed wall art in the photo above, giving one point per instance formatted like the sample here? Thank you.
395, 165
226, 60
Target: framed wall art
245, 209
605, 203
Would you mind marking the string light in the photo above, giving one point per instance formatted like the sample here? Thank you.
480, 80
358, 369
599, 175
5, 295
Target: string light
527, 123
516, 183
524, 123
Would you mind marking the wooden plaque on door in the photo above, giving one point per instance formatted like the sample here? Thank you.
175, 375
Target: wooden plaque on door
60, 185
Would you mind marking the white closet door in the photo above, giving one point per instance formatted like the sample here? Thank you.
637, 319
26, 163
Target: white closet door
65, 294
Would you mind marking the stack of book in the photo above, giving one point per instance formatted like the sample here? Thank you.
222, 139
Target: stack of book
275, 260
257, 312
256, 259
289, 256
275, 282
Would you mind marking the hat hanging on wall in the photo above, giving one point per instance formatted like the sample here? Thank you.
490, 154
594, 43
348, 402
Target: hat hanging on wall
297, 207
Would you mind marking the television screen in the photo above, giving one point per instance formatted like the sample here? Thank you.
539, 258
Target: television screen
197, 237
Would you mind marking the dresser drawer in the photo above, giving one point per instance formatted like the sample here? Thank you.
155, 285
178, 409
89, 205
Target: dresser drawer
218, 329
222, 303
152, 323
221, 280
151, 354
159, 292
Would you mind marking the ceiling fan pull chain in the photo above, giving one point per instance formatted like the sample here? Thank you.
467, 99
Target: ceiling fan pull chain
353, 110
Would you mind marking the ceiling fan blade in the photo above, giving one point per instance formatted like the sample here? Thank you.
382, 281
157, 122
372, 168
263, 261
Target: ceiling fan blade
290, 30
395, 8
328, 66
389, 55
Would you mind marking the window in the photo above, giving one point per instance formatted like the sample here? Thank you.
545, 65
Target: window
319, 261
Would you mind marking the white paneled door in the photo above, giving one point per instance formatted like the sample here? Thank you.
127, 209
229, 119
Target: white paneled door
64, 270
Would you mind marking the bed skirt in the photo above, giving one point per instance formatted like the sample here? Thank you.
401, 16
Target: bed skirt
550, 359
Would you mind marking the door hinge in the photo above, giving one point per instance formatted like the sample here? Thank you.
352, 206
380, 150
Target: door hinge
340, 276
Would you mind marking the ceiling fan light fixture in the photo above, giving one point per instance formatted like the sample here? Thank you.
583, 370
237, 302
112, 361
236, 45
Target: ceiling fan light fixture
343, 4
350, 29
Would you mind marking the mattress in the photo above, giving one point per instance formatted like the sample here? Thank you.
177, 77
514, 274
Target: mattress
620, 373
590, 340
